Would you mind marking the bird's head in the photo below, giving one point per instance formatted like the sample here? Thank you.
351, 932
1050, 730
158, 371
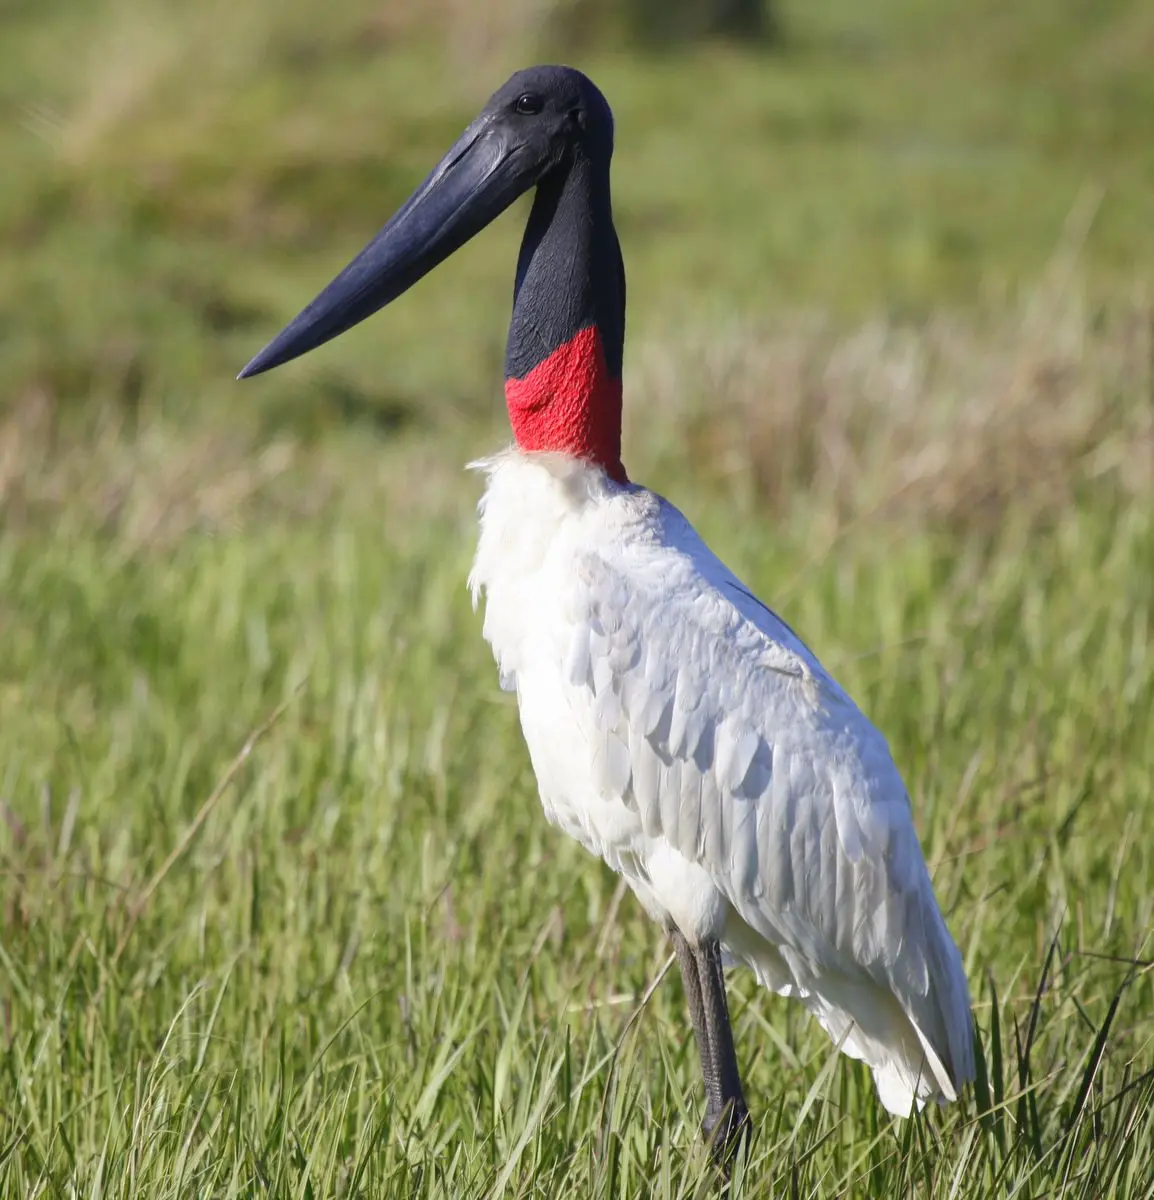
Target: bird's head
536, 124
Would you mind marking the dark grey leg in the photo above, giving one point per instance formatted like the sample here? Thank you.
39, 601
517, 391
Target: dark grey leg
726, 1115
690, 980
726, 1123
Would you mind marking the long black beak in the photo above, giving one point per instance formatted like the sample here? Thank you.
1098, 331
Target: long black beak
484, 172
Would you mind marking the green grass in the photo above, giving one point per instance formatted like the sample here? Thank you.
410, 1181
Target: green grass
279, 913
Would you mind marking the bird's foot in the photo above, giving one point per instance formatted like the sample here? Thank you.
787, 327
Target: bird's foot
727, 1130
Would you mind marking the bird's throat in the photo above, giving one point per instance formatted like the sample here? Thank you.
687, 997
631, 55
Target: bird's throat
566, 338
569, 402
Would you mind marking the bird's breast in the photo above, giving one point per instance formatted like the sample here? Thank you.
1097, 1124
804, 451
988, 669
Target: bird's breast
539, 516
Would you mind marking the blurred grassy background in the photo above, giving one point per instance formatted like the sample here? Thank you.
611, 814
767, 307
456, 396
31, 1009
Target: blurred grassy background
891, 347
179, 179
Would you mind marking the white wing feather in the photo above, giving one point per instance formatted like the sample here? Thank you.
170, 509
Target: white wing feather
787, 796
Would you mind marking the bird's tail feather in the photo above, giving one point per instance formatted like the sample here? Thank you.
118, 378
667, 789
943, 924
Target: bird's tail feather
863, 1019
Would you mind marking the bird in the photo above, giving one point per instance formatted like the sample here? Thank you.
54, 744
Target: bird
677, 727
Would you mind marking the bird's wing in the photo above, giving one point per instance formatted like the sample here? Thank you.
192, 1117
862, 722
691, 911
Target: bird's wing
736, 747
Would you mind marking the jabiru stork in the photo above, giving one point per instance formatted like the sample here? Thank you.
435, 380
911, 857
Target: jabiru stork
677, 726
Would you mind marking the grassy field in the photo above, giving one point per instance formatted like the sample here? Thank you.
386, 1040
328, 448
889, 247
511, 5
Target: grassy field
279, 913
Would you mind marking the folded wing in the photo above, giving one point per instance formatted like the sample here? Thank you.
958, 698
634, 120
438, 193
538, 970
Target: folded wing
736, 747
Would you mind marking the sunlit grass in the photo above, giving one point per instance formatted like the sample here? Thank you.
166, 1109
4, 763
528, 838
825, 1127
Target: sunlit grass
279, 912
357, 958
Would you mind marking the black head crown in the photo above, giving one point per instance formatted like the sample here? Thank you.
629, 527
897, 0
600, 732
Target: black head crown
558, 111
542, 123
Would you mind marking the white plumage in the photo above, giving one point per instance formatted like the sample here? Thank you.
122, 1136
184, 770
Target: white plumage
684, 733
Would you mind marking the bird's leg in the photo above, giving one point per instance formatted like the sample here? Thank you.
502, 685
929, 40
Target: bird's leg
690, 980
726, 1121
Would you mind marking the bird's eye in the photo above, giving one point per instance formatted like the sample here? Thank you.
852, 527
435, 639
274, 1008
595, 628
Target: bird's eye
528, 104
